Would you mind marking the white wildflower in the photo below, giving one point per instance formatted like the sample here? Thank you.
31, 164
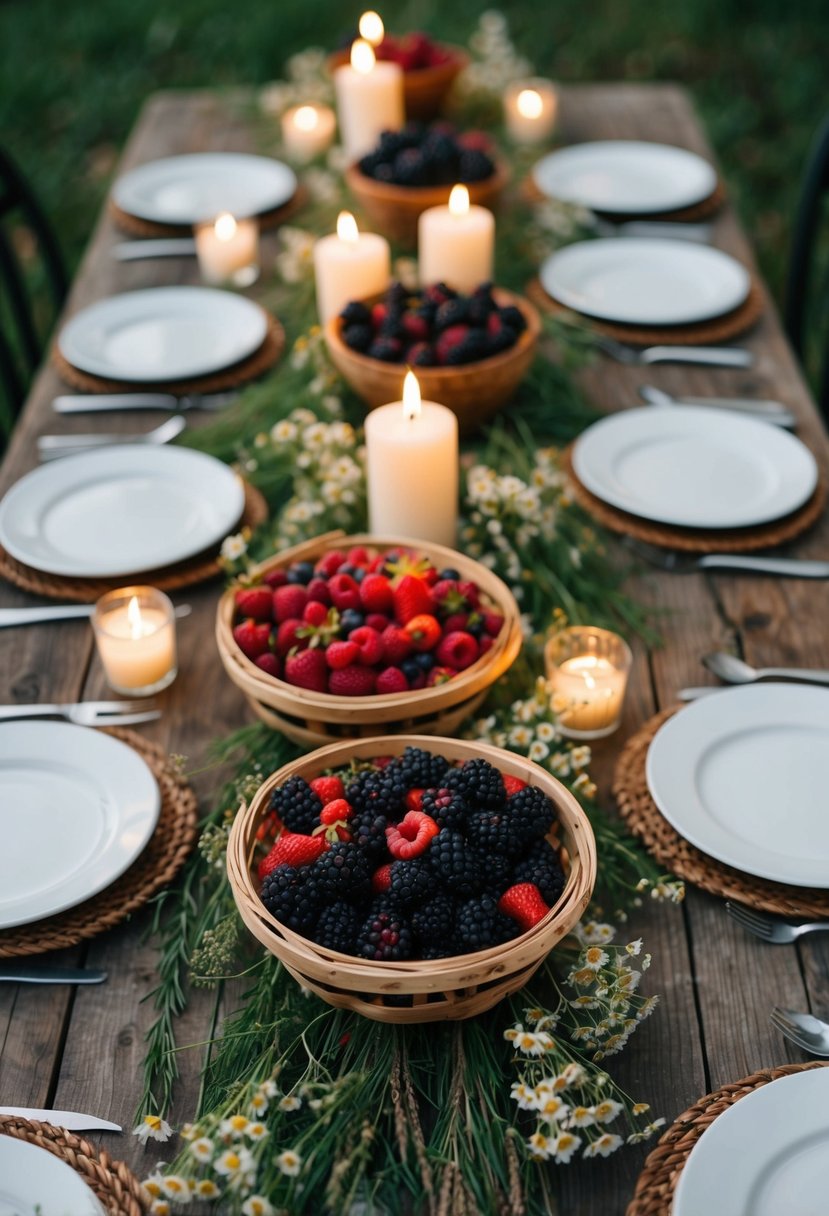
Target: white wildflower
289, 1163
153, 1127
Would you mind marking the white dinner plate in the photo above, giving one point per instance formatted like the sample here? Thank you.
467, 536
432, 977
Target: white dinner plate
764, 1156
121, 510
163, 333
694, 467
625, 177
189, 189
77, 806
645, 282
742, 774
34, 1182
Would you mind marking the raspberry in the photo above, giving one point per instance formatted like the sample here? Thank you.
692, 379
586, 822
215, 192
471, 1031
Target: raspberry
391, 679
307, 670
377, 620
381, 879
352, 681
411, 836
314, 613
458, 650
329, 563
344, 591
275, 578
254, 602
448, 341
386, 935
440, 675
269, 663
297, 805
328, 788
376, 594
369, 644
287, 637
318, 591
252, 637
397, 644
341, 654
289, 602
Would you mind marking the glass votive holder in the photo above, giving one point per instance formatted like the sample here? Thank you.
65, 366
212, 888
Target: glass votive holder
228, 250
587, 674
308, 131
135, 632
530, 110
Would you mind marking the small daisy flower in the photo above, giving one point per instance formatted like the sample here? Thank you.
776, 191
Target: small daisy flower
256, 1205
289, 1163
639, 1108
606, 1112
235, 1126
233, 1162
533, 1043
160, 1207
540, 1146
190, 1131
153, 1127
256, 1131
604, 1146
152, 1185
259, 1103
202, 1149
634, 948
175, 1187
206, 1189
562, 1147
523, 1095
581, 1116
538, 751
595, 958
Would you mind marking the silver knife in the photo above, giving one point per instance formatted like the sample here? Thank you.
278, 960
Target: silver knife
769, 411
51, 975
49, 612
708, 356
699, 234
94, 403
72, 1120
134, 251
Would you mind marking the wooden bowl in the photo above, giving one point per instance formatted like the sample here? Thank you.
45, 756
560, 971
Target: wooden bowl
473, 391
395, 210
424, 89
419, 991
314, 718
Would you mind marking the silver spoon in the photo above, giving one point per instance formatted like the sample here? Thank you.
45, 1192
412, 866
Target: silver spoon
766, 411
734, 671
50, 447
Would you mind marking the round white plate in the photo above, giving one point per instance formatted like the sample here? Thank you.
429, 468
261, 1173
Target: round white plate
742, 775
163, 333
695, 467
77, 806
764, 1156
118, 511
645, 282
190, 189
625, 177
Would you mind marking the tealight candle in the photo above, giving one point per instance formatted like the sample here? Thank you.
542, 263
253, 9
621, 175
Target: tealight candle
456, 243
587, 671
349, 265
228, 250
530, 110
369, 99
135, 632
307, 131
412, 468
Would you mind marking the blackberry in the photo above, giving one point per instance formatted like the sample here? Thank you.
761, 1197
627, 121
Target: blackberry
380, 791
470, 349
396, 295
498, 869
297, 805
358, 337
493, 832
502, 339
343, 871
451, 312
355, 313
513, 317
370, 163
338, 926
386, 934
479, 925
410, 168
421, 769
412, 881
392, 142
434, 922
479, 309
384, 173
531, 813
368, 831
392, 325
455, 863
474, 165
387, 350
292, 898
421, 355
543, 867
447, 808
480, 783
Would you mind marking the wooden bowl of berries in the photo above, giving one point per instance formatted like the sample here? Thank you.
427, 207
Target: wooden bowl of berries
411, 878
416, 168
470, 353
345, 636
429, 69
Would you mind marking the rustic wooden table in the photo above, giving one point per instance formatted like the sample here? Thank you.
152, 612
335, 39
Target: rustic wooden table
83, 1049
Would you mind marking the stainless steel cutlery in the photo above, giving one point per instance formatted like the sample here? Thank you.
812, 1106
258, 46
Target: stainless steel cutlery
749, 563
96, 403
171, 247
50, 975
48, 612
771, 928
699, 234
805, 1031
72, 1120
766, 411
86, 713
53, 447
707, 356
729, 668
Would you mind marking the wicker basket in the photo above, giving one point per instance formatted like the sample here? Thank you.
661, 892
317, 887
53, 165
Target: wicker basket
473, 391
314, 718
420, 991
424, 89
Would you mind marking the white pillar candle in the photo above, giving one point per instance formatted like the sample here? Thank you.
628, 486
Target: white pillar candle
456, 243
369, 99
349, 265
135, 632
530, 110
587, 669
307, 131
412, 468
228, 250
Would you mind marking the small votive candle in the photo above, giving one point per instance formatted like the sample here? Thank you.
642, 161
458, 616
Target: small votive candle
530, 110
135, 632
228, 250
587, 673
308, 131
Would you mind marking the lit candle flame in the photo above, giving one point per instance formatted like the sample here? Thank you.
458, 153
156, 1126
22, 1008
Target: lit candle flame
136, 624
459, 201
529, 103
225, 227
307, 118
347, 228
362, 56
371, 28
411, 397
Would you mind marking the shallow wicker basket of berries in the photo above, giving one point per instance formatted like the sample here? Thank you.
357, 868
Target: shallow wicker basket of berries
429, 68
351, 635
415, 168
411, 878
469, 352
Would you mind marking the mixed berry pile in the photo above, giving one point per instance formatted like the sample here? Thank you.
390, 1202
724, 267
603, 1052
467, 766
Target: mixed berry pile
410, 858
429, 155
360, 622
435, 327
414, 51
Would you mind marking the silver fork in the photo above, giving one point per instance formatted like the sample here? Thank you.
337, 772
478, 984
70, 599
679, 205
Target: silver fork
53, 447
804, 1030
771, 928
679, 563
708, 356
86, 713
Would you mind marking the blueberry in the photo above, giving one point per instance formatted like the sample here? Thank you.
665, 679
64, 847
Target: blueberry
301, 572
351, 619
449, 572
411, 669
424, 660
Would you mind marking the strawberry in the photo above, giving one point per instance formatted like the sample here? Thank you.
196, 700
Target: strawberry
287, 637
292, 849
458, 620
369, 643
307, 670
458, 650
492, 623
391, 679
252, 637
378, 314
358, 555
345, 592
439, 675
376, 593
318, 590
471, 592
289, 602
411, 836
524, 903
254, 602
414, 800
330, 563
341, 654
335, 810
353, 681
327, 789
424, 630
314, 613
448, 597
411, 598
513, 784
268, 662
377, 620
276, 578
397, 645
320, 625
381, 879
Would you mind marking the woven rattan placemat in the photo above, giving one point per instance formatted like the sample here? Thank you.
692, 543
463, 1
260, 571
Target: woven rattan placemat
643, 817
169, 578
136, 226
114, 1183
163, 857
698, 540
656, 1184
702, 210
